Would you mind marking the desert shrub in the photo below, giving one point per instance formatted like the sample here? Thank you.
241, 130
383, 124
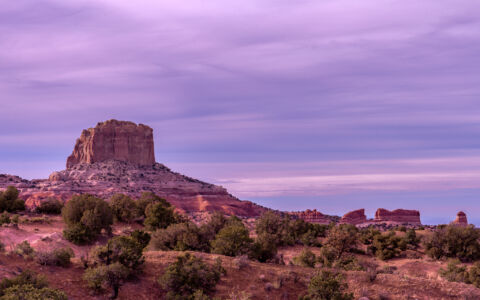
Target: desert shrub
305, 259
474, 275
124, 208
29, 292
241, 262
454, 271
180, 237
9, 200
189, 274
145, 200
58, 257
411, 239
348, 263
50, 206
15, 219
341, 239
366, 235
160, 215
122, 249
112, 276
387, 246
27, 277
209, 230
454, 242
232, 240
142, 237
4, 218
24, 250
327, 285
264, 248
85, 217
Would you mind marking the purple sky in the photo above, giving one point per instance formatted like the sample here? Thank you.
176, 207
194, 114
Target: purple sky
332, 104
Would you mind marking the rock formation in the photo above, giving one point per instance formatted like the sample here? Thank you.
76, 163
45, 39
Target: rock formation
312, 216
461, 219
411, 217
354, 217
117, 157
114, 140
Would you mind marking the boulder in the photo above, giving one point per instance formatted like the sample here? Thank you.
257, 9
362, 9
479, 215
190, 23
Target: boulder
114, 140
461, 219
411, 217
354, 217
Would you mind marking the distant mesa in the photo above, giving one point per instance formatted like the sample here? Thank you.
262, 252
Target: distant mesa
114, 140
354, 217
398, 216
461, 219
312, 216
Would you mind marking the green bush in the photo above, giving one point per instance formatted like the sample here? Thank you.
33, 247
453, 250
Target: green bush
145, 200
142, 237
341, 239
264, 248
455, 271
454, 242
24, 250
327, 285
58, 257
85, 217
124, 208
4, 218
474, 275
50, 206
209, 230
366, 235
305, 259
411, 239
122, 249
232, 240
189, 274
160, 215
113, 276
29, 292
180, 237
27, 277
387, 246
9, 200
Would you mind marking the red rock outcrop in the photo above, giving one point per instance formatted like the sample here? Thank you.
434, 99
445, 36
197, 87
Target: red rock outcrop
354, 217
312, 216
461, 219
398, 216
114, 140
117, 157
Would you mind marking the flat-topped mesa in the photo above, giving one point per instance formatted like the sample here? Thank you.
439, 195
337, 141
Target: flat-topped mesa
311, 216
354, 217
114, 140
398, 216
461, 219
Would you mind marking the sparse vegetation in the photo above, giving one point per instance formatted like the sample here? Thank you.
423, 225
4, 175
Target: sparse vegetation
28, 286
327, 285
305, 259
24, 250
58, 257
189, 275
85, 217
50, 206
454, 242
9, 200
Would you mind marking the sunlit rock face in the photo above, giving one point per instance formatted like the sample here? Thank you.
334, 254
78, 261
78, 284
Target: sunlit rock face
354, 217
461, 219
118, 157
399, 216
114, 140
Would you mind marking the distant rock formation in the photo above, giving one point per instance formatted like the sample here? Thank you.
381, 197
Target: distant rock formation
461, 219
399, 216
117, 157
354, 217
114, 140
312, 216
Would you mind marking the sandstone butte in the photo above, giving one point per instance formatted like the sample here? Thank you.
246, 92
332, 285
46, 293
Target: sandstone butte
312, 216
354, 217
397, 216
118, 157
461, 219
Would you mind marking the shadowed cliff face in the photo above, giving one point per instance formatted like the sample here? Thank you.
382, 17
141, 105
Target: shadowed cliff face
114, 140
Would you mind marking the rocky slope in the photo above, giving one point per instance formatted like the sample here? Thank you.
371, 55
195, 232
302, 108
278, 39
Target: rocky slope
117, 157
